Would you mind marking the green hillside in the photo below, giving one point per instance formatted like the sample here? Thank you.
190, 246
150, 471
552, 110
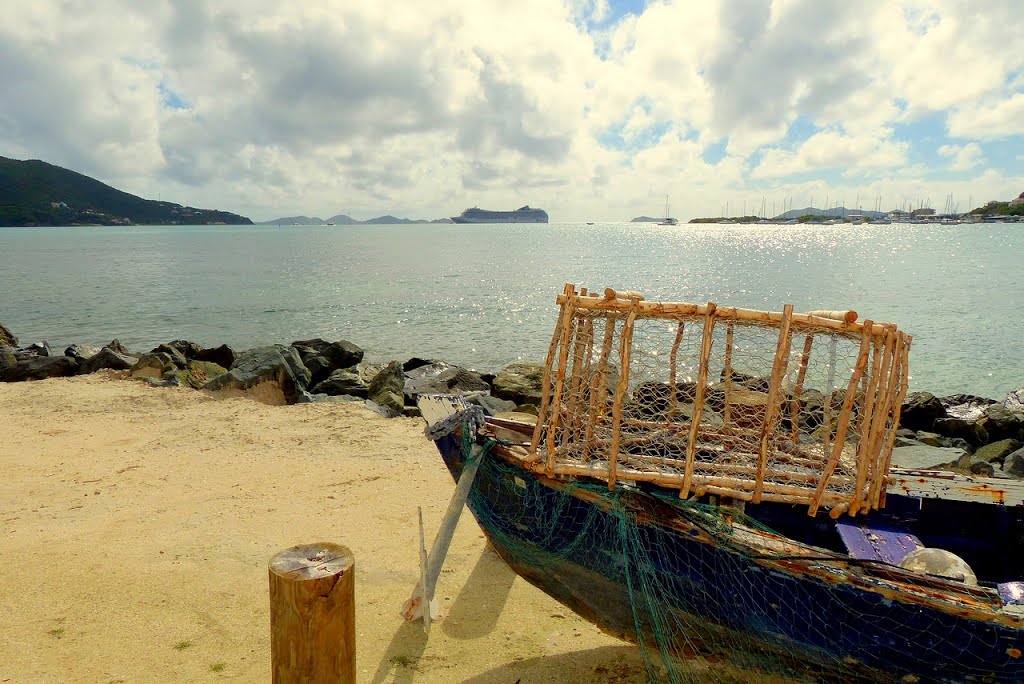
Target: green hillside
34, 193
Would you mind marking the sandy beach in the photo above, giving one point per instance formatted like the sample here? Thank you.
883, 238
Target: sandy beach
137, 523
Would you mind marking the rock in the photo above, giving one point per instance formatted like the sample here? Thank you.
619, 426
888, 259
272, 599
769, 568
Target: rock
178, 357
155, 364
320, 368
964, 429
106, 358
275, 363
966, 406
385, 411
189, 350
223, 356
925, 457
979, 467
1015, 400
341, 354
996, 452
33, 350
1002, 423
906, 434
387, 387
116, 346
492, 406
197, 374
7, 338
81, 352
172, 381
957, 443
309, 348
344, 381
520, 382
929, 438
1014, 464
941, 563
920, 411
40, 368
903, 442
443, 378
416, 362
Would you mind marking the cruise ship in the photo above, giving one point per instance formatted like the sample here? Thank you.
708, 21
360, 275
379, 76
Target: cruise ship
521, 215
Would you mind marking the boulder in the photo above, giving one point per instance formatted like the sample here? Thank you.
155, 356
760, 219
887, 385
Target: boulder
106, 358
81, 352
223, 356
492, 406
996, 452
920, 411
386, 388
1015, 400
416, 362
7, 359
1014, 464
196, 374
925, 457
188, 350
155, 364
964, 429
7, 338
33, 350
40, 368
344, 381
319, 368
178, 357
341, 354
443, 378
274, 363
520, 382
116, 346
1002, 423
929, 438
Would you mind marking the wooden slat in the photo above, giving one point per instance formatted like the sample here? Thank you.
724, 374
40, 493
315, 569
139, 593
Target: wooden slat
698, 401
779, 365
625, 344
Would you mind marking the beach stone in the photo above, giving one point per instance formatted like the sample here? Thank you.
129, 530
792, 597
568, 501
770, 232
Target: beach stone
492, 406
1002, 423
273, 363
416, 362
520, 382
385, 411
106, 358
386, 388
177, 357
319, 368
1015, 400
920, 411
196, 374
443, 378
7, 359
964, 429
904, 441
925, 457
184, 348
7, 338
966, 406
33, 350
344, 381
81, 352
1014, 464
340, 354
155, 364
223, 356
116, 346
40, 368
929, 438
996, 452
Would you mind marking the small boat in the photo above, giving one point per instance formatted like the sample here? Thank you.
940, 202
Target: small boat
714, 485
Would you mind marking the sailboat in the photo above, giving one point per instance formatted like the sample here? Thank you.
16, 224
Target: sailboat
667, 221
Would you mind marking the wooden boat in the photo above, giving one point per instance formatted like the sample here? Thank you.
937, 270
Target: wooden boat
685, 488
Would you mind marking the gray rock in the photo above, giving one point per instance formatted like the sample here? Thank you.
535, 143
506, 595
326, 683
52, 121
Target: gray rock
904, 442
7, 338
155, 364
906, 434
81, 352
920, 411
275, 363
520, 382
320, 368
443, 378
926, 457
416, 362
996, 452
40, 368
385, 411
387, 386
183, 348
223, 356
341, 354
344, 381
965, 429
106, 358
1015, 400
492, 406
6, 360
1002, 423
929, 438
1014, 464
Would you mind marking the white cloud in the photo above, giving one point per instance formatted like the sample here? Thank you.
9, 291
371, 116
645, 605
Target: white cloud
421, 109
962, 157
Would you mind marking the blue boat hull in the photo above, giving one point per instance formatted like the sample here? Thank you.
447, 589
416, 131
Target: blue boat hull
774, 617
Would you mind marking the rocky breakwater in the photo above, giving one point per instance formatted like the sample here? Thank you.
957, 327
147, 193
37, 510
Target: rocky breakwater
303, 371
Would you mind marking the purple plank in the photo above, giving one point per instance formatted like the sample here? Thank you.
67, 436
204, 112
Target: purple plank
1012, 593
877, 541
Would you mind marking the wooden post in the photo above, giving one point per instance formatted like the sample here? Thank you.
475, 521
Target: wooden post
625, 353
768, 430
698, 400
313, 615
794, 406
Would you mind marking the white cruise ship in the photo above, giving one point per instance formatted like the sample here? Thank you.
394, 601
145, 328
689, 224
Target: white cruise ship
521, 215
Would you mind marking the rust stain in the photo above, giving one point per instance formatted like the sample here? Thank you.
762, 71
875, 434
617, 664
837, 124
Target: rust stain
998, 495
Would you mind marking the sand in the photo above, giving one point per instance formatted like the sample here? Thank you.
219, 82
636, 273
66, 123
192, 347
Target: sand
137, 523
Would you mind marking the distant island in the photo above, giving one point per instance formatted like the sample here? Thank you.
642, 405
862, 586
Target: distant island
343, 220
34, 193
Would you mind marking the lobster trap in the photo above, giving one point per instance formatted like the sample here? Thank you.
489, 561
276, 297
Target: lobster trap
745, 404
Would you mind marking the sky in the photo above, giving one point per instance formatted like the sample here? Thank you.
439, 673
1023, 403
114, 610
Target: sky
591, 109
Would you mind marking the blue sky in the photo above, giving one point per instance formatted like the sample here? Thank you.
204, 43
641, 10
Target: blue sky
592, 109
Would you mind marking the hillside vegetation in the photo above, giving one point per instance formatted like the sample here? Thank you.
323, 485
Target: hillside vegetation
34, 193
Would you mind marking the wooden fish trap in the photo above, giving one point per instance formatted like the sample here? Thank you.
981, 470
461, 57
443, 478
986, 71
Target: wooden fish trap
751, 405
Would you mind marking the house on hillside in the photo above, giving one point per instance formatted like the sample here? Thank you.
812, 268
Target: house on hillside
1018, 200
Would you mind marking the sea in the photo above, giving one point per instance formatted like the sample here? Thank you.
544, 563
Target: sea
483, 296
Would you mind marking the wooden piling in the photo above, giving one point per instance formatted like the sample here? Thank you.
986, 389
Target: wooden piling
312, 615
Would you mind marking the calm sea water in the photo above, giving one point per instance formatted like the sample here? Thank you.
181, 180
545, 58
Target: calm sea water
483, 295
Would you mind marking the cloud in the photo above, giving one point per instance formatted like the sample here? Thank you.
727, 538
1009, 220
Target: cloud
589, 108
962, 157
